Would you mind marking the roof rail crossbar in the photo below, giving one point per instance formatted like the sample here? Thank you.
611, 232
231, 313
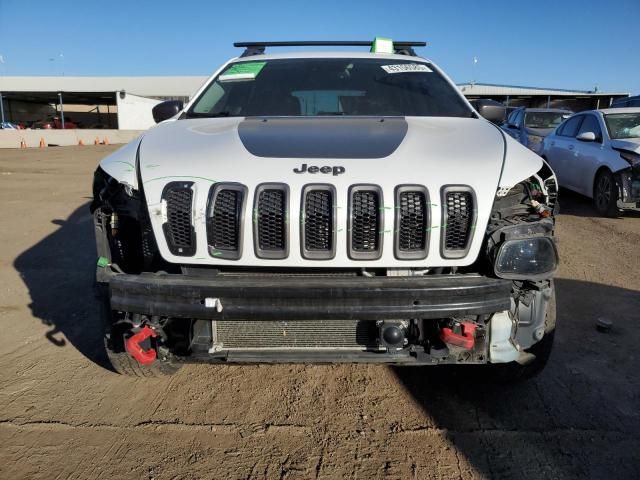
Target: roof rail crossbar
258, 48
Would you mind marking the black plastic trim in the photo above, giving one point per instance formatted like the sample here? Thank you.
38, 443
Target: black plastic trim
413, 254
318, 254
213, 193
271, 254
456, 254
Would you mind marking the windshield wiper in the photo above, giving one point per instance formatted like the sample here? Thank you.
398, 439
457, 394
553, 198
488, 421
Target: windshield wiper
207, 115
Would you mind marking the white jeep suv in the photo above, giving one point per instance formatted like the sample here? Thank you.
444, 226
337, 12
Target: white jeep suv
327, 207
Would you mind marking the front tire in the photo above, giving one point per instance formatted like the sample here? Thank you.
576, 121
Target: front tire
605, 194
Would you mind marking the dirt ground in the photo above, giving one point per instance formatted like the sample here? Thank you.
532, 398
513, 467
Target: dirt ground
65, 414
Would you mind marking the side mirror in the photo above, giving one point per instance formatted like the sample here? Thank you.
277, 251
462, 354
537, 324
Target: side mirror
491, 110
165, 110
586, 137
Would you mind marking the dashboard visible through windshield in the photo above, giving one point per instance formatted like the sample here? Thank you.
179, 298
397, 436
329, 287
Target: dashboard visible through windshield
329, 86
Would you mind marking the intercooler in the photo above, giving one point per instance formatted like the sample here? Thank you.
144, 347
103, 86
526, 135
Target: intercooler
356, 335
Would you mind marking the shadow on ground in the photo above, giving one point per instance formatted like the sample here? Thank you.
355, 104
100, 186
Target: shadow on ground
59, 272
563, 423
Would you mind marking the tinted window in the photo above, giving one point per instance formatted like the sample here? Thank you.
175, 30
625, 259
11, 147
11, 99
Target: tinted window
591, 124
571, 126
329, 86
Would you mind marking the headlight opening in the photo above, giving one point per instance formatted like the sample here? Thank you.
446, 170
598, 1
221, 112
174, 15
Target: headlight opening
526, 259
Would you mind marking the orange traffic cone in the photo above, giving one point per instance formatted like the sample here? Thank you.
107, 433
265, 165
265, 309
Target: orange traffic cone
23, 144
42, 144
106, 141
96, 141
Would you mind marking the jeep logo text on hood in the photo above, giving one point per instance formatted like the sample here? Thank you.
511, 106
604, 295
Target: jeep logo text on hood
315, 169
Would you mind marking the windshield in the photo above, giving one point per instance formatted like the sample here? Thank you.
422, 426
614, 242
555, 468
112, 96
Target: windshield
623, 125
544, 119
329, 86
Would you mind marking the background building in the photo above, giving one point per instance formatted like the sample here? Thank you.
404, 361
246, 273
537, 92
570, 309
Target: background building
125, 103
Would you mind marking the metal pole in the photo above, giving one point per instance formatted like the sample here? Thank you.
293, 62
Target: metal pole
61, 109
1, 108
548, 101
507, 101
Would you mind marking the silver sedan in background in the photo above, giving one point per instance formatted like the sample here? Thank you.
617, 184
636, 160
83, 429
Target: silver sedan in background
597, 153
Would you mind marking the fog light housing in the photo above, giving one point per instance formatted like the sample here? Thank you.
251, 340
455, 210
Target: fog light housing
526, 259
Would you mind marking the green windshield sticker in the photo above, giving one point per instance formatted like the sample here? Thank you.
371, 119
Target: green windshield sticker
242, 71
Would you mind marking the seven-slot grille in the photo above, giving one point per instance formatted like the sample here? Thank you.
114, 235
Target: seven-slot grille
227, 202
458, 220
224, 220
178, 229
271, 221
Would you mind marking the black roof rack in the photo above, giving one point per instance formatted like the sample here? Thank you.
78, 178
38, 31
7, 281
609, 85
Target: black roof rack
258, 48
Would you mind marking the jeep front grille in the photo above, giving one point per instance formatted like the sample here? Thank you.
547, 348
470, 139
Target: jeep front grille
271, 226
412, 222
320, 217
224, 220
295, 334
178, 229
318, 222
365, 228
458, 220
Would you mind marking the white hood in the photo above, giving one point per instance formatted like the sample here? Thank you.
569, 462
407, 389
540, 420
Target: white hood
434, 152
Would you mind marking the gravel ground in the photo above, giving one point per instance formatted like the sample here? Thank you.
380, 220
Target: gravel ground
65, 414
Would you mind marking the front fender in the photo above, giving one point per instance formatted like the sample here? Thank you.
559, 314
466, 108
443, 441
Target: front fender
121, 164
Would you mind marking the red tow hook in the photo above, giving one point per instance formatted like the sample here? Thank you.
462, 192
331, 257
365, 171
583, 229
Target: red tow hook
466, 340
144, 357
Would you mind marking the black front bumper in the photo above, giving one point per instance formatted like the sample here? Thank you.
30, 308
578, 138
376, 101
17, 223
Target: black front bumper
308, 298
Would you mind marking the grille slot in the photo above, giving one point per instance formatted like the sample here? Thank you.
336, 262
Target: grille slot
365, 222
318, 225
178, 229
224, 220
459, 220
412, 222
296, 334
271, 221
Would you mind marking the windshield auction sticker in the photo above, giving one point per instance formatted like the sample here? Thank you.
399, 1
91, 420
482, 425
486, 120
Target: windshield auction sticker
406, 67
242, 71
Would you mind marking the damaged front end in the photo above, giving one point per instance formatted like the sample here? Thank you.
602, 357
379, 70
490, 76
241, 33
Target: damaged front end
628, 182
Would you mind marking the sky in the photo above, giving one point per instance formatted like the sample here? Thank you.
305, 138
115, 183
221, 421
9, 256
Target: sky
560, 44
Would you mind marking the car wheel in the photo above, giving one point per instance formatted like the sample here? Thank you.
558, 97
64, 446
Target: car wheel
605, 194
